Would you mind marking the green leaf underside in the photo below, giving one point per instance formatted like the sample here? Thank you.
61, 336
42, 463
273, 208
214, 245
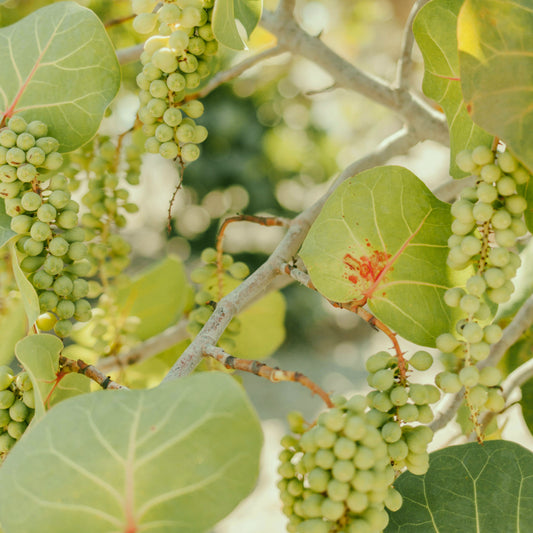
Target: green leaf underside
496, 61
225, 14
157, 296
5, 224
383, 235
435, 30
59, 66
175, 458
29, 297
39, 355
485, 488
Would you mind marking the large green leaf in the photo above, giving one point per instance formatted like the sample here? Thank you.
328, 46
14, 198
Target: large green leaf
175, 458
527, 192
29, 296
383, 235
59, 66
5, 224
469, 488
225, 15
496, 64
435, 30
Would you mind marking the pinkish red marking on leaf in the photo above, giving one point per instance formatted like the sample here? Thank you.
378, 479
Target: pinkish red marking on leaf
368, 267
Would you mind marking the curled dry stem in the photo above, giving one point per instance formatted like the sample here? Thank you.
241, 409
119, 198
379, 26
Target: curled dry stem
273, 374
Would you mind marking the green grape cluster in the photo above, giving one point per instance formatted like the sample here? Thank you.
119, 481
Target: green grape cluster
207, 277
54, 255
174, 61
8, 286
17, 406
108, 203
395, 405
337, 475
488, 220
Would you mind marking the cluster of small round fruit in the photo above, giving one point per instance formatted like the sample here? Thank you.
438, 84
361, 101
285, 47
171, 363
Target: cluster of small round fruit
174, 61
46, 219
488, 220
208, 278
395, 404
108, 203
336, 474
17, 406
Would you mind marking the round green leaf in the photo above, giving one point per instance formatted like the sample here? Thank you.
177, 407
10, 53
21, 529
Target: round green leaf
382, 235
435, 30
175, 458
496, 63
226, 13
58, 65
484, 488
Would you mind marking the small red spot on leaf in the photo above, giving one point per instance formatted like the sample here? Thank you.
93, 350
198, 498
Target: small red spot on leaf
369, 268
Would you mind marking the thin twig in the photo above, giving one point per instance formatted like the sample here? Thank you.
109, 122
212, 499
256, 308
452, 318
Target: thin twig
70, 365
147, 349
117, 21
227, 75
405, 62
273, 374
261, 220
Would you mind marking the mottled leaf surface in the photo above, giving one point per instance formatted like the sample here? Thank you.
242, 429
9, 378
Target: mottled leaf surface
435, 30
59, 66
496, 66
175, 458
382, 235
469, 488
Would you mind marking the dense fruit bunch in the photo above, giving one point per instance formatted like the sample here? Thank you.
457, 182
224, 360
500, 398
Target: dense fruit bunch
396, 403
336, 475
108, 203
487, 223
174, 61
206, 276
51, 244
17, 405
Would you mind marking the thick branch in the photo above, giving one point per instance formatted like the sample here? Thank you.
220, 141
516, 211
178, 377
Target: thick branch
425, 121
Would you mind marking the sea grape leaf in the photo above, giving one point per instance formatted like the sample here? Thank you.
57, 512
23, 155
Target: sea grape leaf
226, 13
471, 487
382, 235
30, 299
262, 329
6, 232
435, 30
175, 458
12, 329
157, 296
39, 355
496, 66
58, 65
